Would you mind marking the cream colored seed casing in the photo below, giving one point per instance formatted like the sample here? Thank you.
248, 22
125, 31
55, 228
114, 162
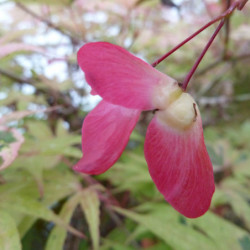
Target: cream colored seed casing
176, 108
181, 113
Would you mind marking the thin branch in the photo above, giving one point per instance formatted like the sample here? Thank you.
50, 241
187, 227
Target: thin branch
46, 21
213, 101
218, 62
209, 67
221, 100
227, 34
240, 57
242, 98
14, 77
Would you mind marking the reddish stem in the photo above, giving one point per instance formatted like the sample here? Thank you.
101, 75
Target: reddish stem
242, 4
191, 72
154, 64
238, 4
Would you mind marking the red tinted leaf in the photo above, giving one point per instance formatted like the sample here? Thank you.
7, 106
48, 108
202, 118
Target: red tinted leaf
9, 151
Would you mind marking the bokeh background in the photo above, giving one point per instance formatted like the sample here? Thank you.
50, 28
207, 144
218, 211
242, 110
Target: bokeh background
44, 99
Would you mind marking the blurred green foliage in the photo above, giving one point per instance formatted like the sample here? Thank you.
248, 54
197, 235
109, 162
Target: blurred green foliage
43, 97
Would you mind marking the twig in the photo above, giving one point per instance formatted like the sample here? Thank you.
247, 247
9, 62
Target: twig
227, 33
241, 57
218, 62
217, 79
46, 21
213, 101
242, 98
120, 224
108, 203
209, 67
14, 77
220, 100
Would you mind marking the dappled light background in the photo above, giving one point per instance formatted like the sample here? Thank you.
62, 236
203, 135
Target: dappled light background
43, 101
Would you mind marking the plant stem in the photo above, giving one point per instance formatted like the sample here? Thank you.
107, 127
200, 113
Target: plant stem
47, 22
242, 4
237, 4
227, 34
154, 64
193, 69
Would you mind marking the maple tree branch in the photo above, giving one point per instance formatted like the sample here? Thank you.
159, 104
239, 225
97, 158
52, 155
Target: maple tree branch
46, 21
227, 33
221, 100
14, 77
218, 62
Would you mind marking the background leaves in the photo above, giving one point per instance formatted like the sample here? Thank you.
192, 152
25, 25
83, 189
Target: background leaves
44, 99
